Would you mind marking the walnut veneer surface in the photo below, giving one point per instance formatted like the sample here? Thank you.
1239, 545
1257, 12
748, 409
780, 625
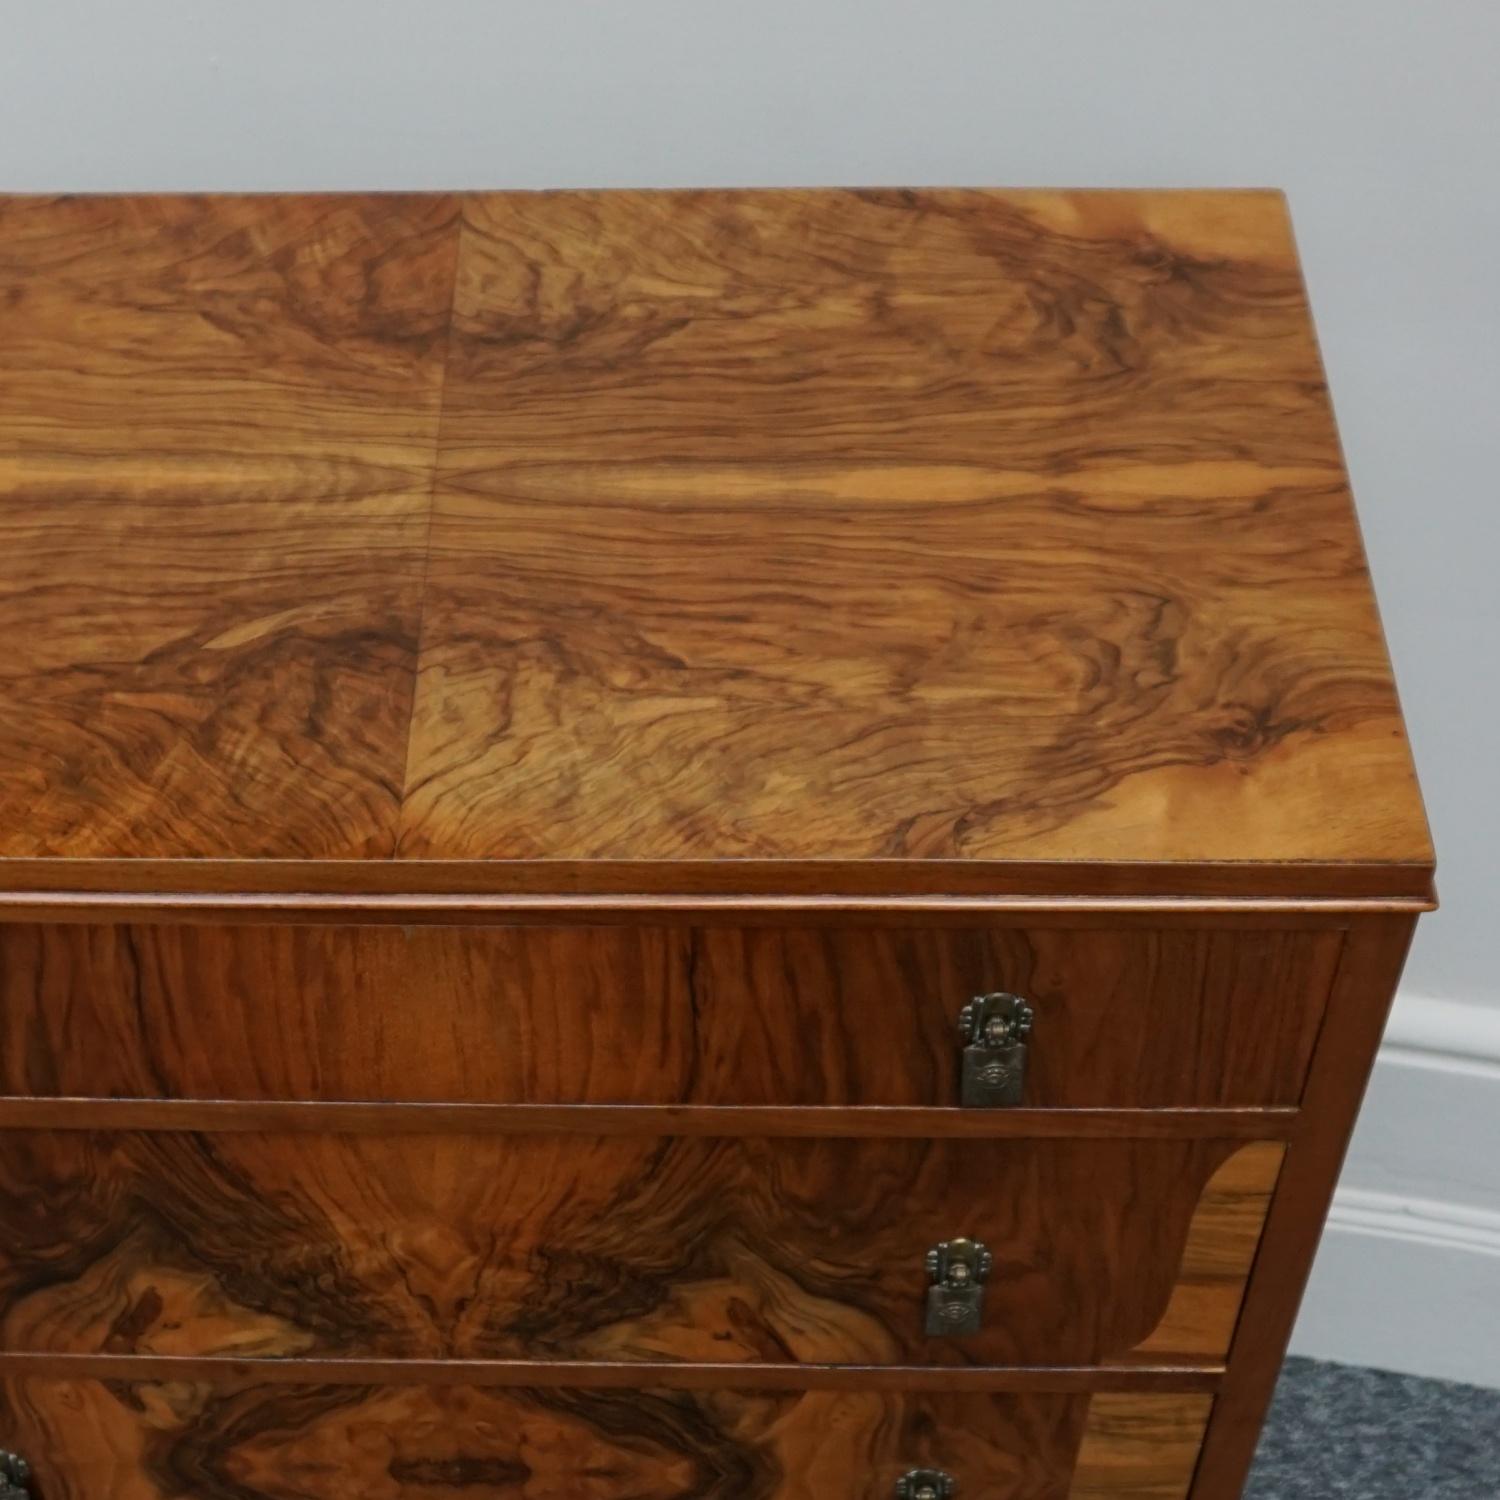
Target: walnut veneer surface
155, 1442
547, 1247
882, 527
1185, 1017
523, 717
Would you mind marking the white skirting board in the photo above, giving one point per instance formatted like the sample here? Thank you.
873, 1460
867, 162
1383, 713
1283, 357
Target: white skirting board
1408, 1276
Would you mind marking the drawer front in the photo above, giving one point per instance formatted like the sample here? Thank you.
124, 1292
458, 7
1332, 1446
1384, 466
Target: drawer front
1133, 1017
141, 1441
626, 1248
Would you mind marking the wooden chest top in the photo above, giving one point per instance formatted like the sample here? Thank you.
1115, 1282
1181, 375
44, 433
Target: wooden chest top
882, 542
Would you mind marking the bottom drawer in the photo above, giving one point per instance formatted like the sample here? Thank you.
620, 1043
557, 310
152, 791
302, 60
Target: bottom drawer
86, 1440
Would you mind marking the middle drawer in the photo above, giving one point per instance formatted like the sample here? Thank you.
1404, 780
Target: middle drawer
621, 1248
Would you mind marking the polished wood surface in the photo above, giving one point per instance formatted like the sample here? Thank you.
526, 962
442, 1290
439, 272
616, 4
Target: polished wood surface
867, 478
197, 344
763, 1121
523, 716
150, 904
1223, 1241
624, 1248
428, 890
1139, 1448
215, 450
140, 1441
1171, 1017
1357, 1011
669, 528
616, 1375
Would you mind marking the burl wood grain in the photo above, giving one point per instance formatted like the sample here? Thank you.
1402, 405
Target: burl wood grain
714, 1250
674, 527
217, 419
1130, 1018
245, 1442
906, 525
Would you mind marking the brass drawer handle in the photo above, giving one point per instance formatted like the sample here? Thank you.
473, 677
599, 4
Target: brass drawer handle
926, 1484
994, 1029
958, 1270
15, 1475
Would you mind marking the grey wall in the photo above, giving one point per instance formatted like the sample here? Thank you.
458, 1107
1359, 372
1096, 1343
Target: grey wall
1380, 118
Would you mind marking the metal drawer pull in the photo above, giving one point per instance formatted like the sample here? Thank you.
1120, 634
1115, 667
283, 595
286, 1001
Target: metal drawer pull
926, 1484
15, 1475
958, 1270
994, 1029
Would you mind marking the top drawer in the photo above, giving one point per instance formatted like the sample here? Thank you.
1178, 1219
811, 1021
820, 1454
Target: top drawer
1130, 1017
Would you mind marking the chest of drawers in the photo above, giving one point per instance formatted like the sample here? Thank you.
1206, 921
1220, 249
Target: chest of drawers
674, 846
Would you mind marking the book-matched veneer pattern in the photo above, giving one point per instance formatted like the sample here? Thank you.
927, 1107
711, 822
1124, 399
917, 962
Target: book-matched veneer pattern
1220, 1230
237, 1440
922, 527
693, 1249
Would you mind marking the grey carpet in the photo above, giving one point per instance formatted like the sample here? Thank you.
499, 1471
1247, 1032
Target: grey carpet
1338, 1433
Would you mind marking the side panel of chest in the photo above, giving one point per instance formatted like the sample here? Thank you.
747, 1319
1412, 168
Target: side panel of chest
1132, 1017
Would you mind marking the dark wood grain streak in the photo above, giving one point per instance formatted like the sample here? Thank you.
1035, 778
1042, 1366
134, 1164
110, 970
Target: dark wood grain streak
1132, 1380
140, 1441
837, 1122
579, 1248
651, 1015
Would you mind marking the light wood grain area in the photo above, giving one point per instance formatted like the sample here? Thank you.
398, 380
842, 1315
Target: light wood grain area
1140, 1447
